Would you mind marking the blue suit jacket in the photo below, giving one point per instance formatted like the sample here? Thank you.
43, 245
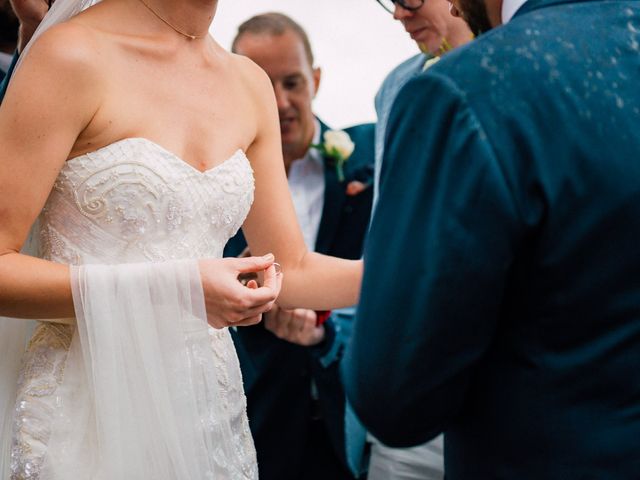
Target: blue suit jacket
277, 374
4, 80
501, 296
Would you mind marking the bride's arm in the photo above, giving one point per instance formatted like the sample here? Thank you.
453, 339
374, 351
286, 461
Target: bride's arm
311, 280
38, 127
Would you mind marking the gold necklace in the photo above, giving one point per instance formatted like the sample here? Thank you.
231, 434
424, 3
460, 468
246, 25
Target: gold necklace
184, 34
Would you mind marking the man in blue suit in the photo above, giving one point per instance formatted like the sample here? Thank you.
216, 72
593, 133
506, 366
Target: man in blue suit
501, 296
296, 402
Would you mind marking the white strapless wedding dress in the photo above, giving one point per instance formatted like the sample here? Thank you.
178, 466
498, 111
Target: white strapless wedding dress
141, 388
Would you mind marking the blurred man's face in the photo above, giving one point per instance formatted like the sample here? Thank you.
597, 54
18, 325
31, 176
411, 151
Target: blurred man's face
474, 12
295, 82
428, 26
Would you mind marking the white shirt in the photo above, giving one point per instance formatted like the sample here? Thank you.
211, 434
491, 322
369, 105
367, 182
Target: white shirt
306, 184
509, 9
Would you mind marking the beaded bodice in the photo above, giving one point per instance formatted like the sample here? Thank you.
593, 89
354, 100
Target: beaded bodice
131, 201
134, 201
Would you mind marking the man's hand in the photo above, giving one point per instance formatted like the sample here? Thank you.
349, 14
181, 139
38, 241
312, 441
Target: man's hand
30, 13
296, 326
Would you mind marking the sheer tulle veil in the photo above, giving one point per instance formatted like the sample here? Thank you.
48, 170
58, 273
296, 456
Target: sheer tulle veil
142, 396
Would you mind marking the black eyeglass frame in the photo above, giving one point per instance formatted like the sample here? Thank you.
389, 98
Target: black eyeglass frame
402, 4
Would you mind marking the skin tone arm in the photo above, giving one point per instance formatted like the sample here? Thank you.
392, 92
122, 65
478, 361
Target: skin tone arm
335, 282
37, 132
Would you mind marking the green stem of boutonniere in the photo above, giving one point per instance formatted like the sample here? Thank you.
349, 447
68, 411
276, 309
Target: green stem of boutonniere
340, 169
339, 161
335, 156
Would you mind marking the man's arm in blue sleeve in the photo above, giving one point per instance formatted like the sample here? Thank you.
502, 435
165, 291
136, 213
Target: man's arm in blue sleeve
436, 263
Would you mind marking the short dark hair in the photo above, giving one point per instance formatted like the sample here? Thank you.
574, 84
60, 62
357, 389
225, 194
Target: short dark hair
276, 24
8, 26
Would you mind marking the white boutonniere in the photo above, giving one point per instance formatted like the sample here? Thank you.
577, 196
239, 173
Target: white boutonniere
430, 63
337, 146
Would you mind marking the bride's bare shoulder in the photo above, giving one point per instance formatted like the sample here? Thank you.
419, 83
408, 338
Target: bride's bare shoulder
68, 48
255, 79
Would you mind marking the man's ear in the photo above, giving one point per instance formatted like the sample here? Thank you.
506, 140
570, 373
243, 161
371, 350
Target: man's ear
317, 75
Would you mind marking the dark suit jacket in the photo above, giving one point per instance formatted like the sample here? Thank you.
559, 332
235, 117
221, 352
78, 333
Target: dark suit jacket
4, 78
501, 297
277, 374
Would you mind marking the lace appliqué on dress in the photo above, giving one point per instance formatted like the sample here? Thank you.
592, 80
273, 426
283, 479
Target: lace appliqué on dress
40, 378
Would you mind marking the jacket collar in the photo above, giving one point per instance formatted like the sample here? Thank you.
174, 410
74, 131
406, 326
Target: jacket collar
531, 5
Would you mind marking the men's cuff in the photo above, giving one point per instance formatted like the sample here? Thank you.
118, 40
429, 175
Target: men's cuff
326, 352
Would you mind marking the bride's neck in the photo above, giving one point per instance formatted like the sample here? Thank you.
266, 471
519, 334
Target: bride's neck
192, 17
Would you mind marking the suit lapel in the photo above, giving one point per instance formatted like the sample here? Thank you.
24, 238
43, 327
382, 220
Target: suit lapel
334, 196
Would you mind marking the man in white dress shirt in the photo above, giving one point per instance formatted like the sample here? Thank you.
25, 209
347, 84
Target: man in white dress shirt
296, 404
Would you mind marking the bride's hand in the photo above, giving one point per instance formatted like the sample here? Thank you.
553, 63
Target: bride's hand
230, 303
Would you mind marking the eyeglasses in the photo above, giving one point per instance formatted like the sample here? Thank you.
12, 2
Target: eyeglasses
411, 5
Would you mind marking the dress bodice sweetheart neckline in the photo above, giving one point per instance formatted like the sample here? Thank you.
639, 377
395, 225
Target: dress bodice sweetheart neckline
166, 152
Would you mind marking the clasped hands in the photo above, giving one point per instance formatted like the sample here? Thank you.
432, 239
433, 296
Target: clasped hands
230, 303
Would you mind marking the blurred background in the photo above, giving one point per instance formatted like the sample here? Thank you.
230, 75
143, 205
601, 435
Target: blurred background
355, 42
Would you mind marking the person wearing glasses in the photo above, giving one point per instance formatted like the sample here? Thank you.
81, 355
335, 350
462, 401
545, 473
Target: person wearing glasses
436, 31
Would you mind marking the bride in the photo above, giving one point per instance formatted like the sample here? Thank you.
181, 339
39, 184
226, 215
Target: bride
136, 146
